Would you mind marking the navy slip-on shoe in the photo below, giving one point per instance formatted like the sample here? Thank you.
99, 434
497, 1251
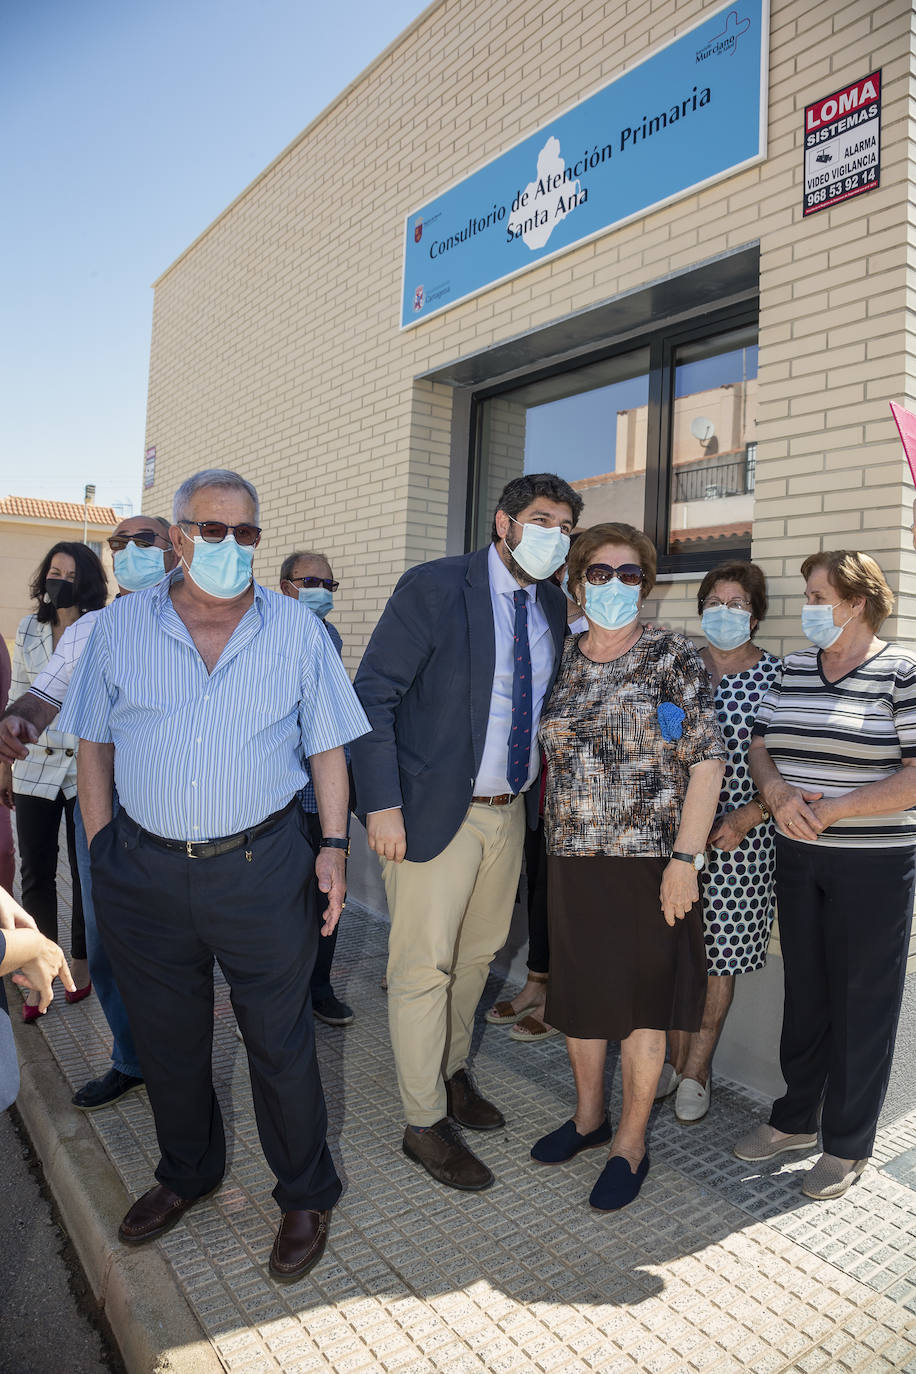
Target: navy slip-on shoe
617, 1185
565, 1143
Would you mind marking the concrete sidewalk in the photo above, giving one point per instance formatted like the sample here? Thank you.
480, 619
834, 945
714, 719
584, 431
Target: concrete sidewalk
719, 1266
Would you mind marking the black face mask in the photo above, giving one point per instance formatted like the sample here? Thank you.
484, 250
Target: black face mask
59, 592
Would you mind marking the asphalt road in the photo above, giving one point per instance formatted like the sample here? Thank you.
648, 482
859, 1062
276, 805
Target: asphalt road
46, 1321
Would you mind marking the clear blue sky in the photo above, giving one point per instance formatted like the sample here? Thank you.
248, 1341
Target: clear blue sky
128, 127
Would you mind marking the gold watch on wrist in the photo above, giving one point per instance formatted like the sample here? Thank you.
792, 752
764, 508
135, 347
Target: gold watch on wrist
765, 813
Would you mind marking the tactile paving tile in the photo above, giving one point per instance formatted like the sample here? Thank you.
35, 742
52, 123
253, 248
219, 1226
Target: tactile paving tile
719, 1266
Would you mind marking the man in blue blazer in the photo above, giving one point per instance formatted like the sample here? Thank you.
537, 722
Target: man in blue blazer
453, 681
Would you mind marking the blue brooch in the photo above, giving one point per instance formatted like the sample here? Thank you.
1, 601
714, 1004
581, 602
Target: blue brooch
670, 720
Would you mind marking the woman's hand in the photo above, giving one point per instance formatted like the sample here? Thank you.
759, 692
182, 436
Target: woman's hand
679, 890
6, 787
734, 827
37, 974
789, 806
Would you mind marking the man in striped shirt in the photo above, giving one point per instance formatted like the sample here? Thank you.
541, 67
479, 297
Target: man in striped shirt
201, 699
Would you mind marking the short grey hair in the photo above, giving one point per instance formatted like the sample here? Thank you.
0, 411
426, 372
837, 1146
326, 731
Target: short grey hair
291, 559
212, 477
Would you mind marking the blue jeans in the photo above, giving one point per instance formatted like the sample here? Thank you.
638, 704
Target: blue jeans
123, 1054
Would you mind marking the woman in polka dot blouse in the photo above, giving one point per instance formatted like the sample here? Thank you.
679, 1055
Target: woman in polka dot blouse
738, 889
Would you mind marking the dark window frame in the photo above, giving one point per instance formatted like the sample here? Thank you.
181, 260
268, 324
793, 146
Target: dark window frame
662, 342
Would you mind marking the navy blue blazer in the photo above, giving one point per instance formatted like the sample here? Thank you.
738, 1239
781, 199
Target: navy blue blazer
425, 683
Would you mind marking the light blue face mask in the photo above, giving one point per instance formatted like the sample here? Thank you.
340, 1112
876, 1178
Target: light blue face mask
612, 606
318, 599
818, 625
222, 569
136, 569
540, 551
564, 588
726, 628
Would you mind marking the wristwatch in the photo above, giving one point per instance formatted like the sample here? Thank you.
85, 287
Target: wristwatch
334, 843
697, 861
765, 812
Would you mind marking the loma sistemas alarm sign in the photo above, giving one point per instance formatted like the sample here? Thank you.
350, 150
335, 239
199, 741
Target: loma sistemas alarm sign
690, 113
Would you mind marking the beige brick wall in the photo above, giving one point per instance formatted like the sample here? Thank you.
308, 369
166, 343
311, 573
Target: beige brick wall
276, 346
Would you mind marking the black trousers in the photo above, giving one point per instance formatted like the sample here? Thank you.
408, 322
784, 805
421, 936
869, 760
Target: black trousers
844, 927
316, 906
536, 878
164, 918
37, 829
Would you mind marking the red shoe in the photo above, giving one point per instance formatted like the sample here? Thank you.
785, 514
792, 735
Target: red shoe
30, 1013
78, 993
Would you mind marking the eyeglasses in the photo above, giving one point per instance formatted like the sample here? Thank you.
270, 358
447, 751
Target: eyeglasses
144, 539
737, 603
214, 532
327, 582
599, 574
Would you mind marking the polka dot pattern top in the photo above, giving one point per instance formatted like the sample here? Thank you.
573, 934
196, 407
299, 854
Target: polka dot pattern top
738, 891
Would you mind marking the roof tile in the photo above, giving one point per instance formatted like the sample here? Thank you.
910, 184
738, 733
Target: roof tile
36, 508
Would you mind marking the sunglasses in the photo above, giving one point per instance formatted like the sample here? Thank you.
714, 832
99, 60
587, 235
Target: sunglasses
327, 582
214, 532
144, 539
599, 574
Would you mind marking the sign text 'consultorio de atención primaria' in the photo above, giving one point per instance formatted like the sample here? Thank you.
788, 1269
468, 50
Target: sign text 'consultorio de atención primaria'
688, 114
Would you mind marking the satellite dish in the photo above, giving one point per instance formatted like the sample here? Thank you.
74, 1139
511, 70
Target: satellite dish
702, 429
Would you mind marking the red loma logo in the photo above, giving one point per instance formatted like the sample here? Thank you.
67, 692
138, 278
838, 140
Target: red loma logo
727, 40
418, 231
418, 299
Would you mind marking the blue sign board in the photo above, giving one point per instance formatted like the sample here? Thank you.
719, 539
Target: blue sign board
690, 113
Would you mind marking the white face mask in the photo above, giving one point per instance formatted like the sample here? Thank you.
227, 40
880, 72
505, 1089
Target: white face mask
819, 626
540, 551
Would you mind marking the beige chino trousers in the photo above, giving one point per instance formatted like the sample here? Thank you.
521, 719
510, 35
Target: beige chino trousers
449, 917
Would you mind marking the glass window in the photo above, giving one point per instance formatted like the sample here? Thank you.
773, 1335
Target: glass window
713, 448
662, 437
588, 426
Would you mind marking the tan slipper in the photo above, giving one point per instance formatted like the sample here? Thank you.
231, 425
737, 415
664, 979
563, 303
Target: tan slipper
503, 1014
530, 1028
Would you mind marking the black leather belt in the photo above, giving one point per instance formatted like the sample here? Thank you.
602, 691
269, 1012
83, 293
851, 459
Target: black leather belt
211, 849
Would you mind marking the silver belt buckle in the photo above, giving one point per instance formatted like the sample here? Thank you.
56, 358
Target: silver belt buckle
189, 845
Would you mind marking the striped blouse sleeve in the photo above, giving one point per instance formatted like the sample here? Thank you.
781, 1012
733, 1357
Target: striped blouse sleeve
904, 708
768, 705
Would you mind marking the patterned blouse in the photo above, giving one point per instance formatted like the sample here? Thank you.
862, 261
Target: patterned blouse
51, 765
620, 739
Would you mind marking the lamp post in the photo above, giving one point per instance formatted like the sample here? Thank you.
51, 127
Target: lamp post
88, 500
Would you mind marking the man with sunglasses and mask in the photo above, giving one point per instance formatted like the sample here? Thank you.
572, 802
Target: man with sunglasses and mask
453, 681
308, 579
143, 555
202, 698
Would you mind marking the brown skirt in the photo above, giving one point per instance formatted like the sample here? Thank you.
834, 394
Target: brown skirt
615, 964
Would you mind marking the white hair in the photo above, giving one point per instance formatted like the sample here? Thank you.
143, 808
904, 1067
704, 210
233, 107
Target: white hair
212, 477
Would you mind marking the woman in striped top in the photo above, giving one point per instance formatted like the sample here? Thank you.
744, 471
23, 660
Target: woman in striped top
833, 753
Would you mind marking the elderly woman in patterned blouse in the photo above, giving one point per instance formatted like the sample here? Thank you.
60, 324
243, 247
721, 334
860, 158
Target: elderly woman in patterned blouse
634, 765
741, 861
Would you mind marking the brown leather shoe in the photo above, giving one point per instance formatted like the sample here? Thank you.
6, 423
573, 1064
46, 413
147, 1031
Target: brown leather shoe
467, 1107
155, 1213
445, 1156
299, 1245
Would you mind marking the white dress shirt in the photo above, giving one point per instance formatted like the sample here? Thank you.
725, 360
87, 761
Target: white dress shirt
491, 781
